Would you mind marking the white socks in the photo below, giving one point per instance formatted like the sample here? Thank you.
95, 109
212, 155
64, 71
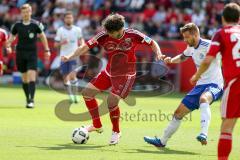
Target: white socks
170, 130
69, 88
205, 117
175, 123
74, 84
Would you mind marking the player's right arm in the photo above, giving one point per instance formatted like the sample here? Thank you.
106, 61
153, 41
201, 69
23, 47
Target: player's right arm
12, 37
9, 42
85, 47
179, 58
79, 51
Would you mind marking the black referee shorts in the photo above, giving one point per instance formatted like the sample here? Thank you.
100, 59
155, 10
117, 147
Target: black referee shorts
26, 61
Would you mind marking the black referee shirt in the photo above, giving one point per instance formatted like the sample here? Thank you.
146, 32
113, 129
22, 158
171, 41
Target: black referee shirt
27, 35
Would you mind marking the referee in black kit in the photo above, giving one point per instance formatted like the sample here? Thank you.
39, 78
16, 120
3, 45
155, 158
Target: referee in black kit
26, 50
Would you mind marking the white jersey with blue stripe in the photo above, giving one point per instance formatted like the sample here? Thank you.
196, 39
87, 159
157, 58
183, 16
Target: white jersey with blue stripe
214, 72
72, 36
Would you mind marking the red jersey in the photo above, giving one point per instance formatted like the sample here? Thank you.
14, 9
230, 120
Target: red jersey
227, 42
120, 52
3, 39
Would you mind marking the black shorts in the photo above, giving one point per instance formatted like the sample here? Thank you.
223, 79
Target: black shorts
26, 61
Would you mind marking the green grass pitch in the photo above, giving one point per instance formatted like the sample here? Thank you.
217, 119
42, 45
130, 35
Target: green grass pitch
38, 134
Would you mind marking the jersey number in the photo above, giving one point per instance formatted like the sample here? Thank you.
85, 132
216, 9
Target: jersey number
235, 37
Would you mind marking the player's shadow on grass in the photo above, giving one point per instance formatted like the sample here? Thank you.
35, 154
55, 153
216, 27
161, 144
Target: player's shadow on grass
162, 151
69, 146
20, 107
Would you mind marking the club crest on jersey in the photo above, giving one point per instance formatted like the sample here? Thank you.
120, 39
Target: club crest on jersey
201, 56
31, 35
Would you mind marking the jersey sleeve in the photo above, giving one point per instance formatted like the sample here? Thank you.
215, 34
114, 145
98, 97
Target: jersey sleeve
142, 38
40, 28
215, 46
94, 41
14, 29
187, 52
58, 36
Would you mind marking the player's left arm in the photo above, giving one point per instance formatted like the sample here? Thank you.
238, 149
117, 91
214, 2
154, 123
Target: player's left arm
156, 49
143, 39
80, 37
203, 67
81, 41
43, 39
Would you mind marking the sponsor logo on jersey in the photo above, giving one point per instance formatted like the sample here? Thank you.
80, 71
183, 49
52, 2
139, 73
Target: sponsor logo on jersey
122, 46
201, 56
125, 45
110, 46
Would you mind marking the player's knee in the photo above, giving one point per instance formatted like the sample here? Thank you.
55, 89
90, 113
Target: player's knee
227, 126
112, 102
204, 99
86, 93
178, 114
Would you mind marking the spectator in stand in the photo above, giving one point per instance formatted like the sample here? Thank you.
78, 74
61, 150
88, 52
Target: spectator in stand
198, 16
149, 11
158, 18
160, 15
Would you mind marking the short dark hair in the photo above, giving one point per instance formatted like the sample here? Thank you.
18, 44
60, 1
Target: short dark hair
25, 6
113, 22
231, 12
67, 13
191, 27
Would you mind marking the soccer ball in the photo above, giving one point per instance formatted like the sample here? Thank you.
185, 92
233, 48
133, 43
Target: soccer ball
80, 135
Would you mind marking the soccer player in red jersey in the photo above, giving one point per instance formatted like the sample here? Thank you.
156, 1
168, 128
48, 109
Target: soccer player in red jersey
3, 39
227, 42
119, 75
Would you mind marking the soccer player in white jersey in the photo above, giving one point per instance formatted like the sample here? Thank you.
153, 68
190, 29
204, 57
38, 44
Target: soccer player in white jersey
68, 38
208, 89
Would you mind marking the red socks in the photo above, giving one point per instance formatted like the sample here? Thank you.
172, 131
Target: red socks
93, 110
115, 116
224, 146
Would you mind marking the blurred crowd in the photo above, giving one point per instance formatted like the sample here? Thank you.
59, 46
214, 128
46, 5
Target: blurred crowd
160, 19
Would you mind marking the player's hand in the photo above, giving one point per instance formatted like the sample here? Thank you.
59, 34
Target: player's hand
194, 80
47, 55
160, 57
63, 42
168, 60
9, 50
64, 58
